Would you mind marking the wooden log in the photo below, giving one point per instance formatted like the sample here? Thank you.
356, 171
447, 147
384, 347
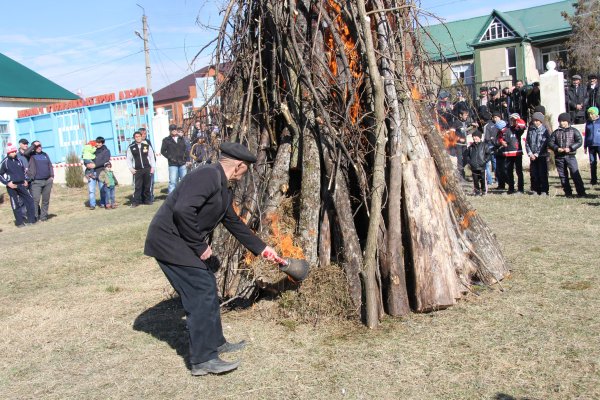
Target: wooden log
486, 252
432, 247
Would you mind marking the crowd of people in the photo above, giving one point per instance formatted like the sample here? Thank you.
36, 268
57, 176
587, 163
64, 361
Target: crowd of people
28, 173
486, 135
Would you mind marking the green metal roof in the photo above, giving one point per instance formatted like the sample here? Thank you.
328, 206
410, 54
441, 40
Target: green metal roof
16, 80
457, 38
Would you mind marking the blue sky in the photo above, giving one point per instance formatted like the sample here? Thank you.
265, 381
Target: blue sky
89, 47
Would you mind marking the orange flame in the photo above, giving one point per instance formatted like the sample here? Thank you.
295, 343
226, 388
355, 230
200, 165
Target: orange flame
284, 243
351, 53
466, 222
415, 93
450, 198
444, 180
450, 138
237, 209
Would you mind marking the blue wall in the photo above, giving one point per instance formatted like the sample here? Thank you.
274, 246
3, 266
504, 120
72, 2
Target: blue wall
63, 132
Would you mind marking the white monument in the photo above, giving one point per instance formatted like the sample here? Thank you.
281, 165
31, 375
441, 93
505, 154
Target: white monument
552, 92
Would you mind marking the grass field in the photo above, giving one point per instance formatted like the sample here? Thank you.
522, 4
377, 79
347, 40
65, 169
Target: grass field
83, 314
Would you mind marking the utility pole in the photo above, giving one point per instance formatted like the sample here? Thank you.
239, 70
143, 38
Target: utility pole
146, 51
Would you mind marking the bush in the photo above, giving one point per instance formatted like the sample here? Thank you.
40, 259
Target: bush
74, 172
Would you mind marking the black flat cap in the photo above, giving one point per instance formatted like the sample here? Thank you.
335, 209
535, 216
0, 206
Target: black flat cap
237, 152
24, 141
483, 89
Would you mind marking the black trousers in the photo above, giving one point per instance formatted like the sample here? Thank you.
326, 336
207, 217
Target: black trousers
198, 291
565, 165
501, 171
21, 193
479, 182
510, 165
538, 172
143, 184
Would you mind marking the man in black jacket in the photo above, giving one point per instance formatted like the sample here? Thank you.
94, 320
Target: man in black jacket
177, 239
12, 174
577, 100
41, 175
174, 149
564, 142
102, 157
477, 156
141, 163
593, 92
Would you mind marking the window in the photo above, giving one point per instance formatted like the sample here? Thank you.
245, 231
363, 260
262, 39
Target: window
511, 62
4, 137
169, 113
188, 109
462, 73
497, 30
558, 54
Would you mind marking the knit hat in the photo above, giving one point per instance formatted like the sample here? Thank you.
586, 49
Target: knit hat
564, 117
497, 114
11, 148
92, 143
538, 116
501, 124
514, 116
477, 134
540, 109
443, 94
593, 110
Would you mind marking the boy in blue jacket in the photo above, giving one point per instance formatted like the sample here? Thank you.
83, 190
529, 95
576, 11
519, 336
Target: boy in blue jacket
12, 174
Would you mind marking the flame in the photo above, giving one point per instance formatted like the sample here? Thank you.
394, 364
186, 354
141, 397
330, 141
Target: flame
450, 138
284, 243
351, 54
466, 222
450, 198
444, 180
415, 93
237, 209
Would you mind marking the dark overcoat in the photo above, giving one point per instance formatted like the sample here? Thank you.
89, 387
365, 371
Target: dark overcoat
179, 230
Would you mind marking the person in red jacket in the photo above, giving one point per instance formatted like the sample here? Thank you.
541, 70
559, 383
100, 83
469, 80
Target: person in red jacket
514, 153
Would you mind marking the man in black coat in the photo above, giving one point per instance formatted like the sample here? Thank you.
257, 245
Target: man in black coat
577, 100
177, 239
174, 149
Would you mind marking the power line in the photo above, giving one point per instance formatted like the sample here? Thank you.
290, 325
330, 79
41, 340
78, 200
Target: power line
98, 64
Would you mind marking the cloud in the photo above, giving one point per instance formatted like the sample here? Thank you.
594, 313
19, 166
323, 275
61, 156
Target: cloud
18, 39
48, 60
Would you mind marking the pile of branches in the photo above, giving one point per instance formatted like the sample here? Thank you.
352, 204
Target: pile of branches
332, 97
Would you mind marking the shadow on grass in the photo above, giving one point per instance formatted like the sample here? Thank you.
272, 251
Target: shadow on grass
504, 396
165, 322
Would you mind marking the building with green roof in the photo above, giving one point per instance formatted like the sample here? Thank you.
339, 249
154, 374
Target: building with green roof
501, 47
21, 88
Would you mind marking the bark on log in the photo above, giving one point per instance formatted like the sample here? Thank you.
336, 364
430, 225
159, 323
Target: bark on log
433, 246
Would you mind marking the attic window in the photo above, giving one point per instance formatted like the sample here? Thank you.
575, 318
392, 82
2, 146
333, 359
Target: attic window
497, 30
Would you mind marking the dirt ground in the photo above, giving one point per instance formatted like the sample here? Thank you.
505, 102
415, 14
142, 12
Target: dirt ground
83, 314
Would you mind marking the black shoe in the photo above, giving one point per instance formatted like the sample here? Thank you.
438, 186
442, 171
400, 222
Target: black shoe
92, 207
228, 347
214, 366
134, 205
21, 226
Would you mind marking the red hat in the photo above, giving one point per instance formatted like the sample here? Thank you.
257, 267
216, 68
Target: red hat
11, 148
92, 143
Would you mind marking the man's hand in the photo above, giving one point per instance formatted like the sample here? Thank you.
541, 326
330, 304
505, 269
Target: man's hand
584, 151
132, 171
269, 253
25, 183
151, 170
11, 185
533, 157
207, 253
579, 106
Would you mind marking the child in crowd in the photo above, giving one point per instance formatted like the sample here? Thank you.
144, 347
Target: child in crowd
109, 179
477, 156
201, 152
88, 156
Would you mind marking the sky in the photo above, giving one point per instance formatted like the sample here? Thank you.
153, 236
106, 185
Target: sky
90, 47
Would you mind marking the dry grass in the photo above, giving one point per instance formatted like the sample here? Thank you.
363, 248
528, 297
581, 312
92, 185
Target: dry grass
85, 315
